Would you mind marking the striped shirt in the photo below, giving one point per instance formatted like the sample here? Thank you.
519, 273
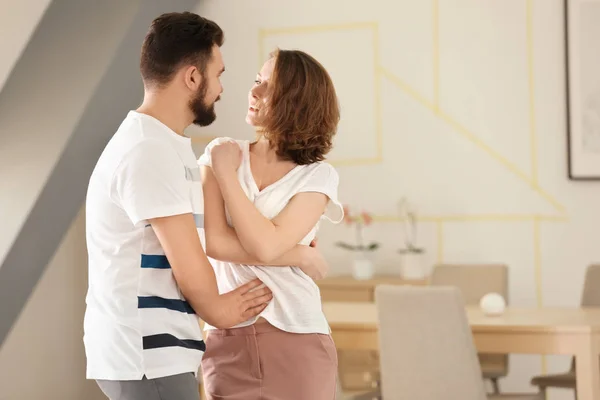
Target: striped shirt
137, 323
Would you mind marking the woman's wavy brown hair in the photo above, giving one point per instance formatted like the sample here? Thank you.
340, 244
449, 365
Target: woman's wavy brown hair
302, 112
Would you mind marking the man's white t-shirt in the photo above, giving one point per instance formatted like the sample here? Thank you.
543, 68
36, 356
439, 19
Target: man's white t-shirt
296, 304
137, 322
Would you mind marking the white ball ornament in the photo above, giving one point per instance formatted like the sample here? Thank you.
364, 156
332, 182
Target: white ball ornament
492, 304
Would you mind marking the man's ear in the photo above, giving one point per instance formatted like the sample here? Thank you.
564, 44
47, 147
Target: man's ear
192, 78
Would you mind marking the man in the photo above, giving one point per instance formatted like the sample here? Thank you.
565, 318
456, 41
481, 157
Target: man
148, 272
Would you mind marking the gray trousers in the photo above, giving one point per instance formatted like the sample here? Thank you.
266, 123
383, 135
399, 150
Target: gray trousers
175, 387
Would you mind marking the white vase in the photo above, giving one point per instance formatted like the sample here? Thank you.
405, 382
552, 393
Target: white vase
362, 268
412, 266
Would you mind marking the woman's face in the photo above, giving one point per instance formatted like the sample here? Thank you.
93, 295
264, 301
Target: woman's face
257, 95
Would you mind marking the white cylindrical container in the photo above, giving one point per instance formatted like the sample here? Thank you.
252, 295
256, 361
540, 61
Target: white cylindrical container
412, 265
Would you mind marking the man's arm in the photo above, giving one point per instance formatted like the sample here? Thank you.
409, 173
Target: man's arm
150, 186
196, 279
222, 242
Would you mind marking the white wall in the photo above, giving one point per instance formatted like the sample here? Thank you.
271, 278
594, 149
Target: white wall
457, 104
43, 356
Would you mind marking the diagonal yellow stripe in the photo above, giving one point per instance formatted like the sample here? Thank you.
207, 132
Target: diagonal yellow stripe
406, 88
459, 128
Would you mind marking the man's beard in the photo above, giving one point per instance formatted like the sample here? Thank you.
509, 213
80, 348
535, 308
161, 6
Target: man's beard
203, 115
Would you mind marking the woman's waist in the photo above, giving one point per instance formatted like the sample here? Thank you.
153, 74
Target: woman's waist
270, 323
291, 315
260, 326
297, 317
282, 281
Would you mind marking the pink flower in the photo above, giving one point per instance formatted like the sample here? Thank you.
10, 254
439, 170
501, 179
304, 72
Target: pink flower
347, 217
367, 218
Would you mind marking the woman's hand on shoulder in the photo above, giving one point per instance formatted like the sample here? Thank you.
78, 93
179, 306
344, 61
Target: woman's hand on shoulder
226, 157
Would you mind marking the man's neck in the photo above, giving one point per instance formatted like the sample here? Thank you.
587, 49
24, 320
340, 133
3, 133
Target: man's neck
165, 110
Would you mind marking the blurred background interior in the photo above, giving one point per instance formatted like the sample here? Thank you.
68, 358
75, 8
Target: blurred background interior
468, 154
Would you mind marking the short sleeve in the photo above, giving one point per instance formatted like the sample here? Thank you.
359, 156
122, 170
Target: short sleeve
150, 182
325, 179
205, 157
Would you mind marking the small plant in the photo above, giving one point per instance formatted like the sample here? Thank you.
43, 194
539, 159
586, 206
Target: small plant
408, 216
359, 220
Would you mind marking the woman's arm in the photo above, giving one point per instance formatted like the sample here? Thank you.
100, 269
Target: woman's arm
264, 239
222, 242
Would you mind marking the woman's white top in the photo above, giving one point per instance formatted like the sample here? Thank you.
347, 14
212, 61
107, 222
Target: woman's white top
296, 304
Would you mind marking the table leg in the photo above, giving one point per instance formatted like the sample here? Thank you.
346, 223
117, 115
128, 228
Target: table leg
588, 369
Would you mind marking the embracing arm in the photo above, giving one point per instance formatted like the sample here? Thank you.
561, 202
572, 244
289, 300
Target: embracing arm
264, 239
196, 279
222, 242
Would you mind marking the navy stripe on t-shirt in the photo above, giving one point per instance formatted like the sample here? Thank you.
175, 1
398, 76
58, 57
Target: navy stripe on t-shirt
159, 302
166, 340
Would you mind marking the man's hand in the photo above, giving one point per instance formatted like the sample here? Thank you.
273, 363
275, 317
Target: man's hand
226, 157
243, 303
313, 264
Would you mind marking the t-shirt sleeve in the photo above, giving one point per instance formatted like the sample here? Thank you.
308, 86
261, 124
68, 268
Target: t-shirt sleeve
150, 182
325, 179
205, 158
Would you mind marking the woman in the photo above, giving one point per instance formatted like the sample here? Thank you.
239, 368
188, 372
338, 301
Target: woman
275, 191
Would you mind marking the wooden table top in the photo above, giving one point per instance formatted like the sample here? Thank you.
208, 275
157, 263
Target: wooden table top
348, 282
363, 316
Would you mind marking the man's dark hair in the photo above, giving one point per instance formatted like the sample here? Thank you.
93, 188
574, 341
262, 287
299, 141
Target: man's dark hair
175, 39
